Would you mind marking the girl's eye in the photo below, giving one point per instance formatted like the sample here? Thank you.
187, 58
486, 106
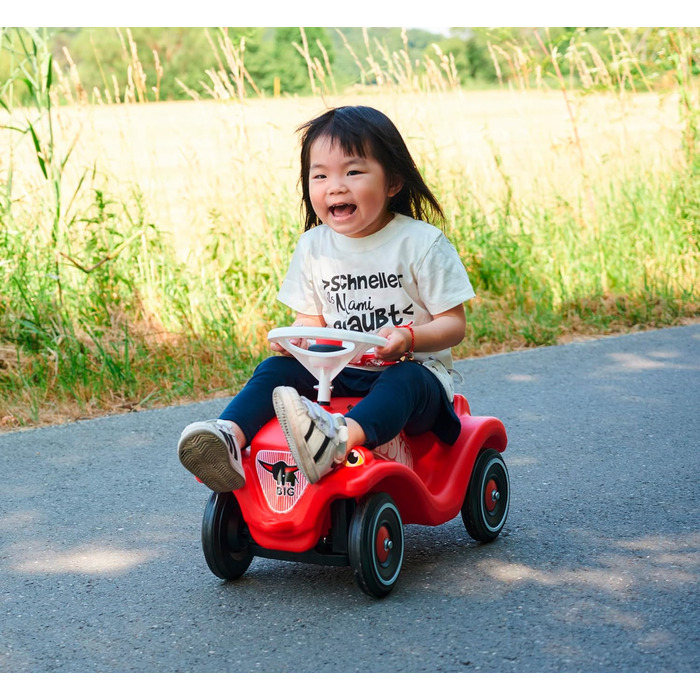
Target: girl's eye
354, 172
318, 176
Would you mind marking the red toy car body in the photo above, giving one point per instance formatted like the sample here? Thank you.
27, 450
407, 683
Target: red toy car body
355, 515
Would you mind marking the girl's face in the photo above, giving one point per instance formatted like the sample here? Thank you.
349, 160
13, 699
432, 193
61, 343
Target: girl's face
348, 193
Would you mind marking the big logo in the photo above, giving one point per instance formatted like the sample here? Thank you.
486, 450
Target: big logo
284, 475
280, 479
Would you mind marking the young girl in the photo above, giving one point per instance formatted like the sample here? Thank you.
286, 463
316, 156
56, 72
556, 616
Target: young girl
368, 261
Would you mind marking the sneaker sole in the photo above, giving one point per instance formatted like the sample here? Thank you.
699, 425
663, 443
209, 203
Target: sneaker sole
285, 404
207, 458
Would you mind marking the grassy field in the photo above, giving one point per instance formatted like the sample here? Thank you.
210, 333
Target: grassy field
193, 159
155, 280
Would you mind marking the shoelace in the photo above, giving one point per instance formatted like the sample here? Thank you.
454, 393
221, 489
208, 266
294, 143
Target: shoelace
318, 414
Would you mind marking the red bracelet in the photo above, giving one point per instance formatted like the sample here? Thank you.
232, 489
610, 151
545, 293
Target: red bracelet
409, 354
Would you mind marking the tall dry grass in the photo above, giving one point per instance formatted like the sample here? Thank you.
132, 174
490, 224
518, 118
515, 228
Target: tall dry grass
140, 264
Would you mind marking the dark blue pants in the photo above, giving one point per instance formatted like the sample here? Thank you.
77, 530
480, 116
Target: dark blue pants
405, 396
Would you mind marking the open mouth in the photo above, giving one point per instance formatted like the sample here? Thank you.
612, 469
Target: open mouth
342, 211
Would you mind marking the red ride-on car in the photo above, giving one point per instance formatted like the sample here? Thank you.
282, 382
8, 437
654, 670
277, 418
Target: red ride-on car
355, 515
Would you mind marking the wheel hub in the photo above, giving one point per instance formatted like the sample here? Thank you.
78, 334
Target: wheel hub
383, 543
491, 494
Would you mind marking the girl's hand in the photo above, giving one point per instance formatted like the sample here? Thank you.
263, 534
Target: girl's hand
445, 331
299, 342
399, 343
301, 320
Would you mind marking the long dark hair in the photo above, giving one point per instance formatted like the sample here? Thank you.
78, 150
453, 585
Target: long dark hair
364, 131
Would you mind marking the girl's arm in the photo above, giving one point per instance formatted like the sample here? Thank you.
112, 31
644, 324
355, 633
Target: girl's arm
445, 331
301, 320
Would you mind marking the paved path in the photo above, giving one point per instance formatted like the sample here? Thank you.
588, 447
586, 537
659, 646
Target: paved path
597, 569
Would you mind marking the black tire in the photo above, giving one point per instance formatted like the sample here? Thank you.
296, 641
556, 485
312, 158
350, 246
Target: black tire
224, 539
486, 504
376, 544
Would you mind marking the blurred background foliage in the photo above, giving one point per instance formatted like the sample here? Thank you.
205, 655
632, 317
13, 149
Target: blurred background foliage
175, 60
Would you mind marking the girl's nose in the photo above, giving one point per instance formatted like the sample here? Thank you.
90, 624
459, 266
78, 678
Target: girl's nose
337, 184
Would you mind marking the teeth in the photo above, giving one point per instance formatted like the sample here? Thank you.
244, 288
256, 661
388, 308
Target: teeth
342, 208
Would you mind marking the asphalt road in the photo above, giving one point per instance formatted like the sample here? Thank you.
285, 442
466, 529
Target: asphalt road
597, 569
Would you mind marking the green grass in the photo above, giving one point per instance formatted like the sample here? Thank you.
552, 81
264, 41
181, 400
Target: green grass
98, 313
135, 328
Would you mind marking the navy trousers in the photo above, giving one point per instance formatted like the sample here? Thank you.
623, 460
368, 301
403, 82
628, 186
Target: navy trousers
405, 396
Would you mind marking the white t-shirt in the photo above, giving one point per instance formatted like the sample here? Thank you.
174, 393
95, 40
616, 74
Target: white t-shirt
406, 272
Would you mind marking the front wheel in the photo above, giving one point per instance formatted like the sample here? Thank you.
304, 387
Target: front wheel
224, 539
488, 497
376, 545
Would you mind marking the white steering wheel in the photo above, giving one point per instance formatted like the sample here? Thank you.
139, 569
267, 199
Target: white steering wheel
328, 353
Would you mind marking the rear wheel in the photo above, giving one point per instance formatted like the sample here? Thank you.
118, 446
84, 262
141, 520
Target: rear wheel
376, 545
486, 504
224, 538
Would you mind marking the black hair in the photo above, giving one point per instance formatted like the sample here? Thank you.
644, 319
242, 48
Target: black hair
364, 131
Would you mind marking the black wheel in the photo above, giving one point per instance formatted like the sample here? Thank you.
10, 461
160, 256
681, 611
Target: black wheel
224, 540
488, 496
375, 544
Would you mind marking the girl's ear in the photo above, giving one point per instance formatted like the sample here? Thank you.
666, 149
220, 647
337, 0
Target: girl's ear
395, 186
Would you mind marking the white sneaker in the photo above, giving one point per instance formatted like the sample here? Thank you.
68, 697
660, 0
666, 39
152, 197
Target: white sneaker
316, 438
210, 451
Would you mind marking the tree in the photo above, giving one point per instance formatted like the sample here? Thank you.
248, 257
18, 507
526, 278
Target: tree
289, 65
